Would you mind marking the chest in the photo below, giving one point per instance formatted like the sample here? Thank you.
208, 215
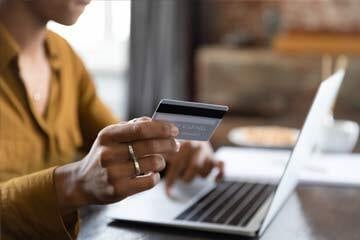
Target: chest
35, 74
29, 142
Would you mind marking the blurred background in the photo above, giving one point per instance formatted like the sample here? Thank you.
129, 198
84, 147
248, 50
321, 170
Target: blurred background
101, 37
263, 58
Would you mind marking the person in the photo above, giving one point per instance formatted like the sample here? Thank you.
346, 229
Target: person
50, 116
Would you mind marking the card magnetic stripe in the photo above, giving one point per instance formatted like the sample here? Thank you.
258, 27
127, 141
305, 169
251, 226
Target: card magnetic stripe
192, 111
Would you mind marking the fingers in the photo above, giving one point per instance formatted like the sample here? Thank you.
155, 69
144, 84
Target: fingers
138, 130
176, 167
207, 167
197, 162
152, 163
196, 159
156, 146
115, 153
142, 183
204, 170
220, 166
123, 189
141, 119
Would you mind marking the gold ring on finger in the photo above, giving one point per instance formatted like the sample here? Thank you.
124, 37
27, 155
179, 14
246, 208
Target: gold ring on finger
135, 160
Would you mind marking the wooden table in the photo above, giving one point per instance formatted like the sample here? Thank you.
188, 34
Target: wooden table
321, 213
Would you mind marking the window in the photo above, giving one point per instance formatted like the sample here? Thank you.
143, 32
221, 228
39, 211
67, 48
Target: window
101, 38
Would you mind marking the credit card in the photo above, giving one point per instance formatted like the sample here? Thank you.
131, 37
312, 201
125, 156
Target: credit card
196, 121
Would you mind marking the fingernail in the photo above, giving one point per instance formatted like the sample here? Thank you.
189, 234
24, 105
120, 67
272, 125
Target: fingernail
177, 145
168, 190
174, 130
157, 177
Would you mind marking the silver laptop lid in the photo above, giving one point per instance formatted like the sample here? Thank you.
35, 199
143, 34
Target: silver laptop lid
320, 109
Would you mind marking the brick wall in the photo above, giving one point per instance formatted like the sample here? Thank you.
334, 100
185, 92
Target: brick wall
263, 83
259, 81
220, 19
261, 19
341, 16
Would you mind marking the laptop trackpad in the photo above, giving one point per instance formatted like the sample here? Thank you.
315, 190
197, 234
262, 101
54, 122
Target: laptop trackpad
155, 204
183, 192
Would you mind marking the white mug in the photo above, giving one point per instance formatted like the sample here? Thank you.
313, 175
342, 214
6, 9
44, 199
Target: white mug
338, 136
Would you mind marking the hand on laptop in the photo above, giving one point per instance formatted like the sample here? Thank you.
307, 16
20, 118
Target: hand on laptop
194, 159
109, 173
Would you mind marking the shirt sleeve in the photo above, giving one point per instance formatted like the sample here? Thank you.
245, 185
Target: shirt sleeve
93, 114
29, 209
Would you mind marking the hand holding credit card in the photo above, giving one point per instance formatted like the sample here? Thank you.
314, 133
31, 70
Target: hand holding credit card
196, 121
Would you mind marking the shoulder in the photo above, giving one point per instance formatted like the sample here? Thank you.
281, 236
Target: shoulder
62, 50
57, 44
56, 39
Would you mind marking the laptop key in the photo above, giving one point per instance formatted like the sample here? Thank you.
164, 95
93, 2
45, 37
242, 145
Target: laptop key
229, 207
204, 201
256, 206
229, 203
206, 210
241, 210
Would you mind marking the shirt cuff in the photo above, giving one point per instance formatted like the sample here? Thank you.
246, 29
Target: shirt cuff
30, 209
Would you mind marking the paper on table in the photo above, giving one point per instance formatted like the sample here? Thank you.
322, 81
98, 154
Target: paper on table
268, 165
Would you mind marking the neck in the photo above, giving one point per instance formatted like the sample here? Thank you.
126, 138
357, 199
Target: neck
24, 25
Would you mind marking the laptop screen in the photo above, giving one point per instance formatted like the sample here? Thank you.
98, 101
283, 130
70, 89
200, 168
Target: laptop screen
306, 142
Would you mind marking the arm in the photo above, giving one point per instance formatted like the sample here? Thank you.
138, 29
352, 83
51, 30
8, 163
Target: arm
28, 208
194, 158
32, 208
105, 174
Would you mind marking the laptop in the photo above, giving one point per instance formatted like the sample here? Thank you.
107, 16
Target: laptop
233, 207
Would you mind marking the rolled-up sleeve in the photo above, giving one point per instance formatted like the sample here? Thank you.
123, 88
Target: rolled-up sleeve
29, 209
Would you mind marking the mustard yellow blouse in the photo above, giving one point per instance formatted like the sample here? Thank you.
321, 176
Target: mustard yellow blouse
32, 145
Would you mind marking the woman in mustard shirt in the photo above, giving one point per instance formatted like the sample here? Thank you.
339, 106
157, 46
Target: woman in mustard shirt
50, 116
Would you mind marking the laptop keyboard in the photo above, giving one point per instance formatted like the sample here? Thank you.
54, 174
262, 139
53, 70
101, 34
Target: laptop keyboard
229, 203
